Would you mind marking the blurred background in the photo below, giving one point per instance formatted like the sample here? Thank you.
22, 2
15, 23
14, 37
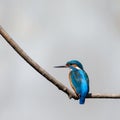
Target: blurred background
53, 32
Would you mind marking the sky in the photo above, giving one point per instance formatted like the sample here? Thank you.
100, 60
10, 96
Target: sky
53, 32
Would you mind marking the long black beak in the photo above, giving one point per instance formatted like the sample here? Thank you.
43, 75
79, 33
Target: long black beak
60, 66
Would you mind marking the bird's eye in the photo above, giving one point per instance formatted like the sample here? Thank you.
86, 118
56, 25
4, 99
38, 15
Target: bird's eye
69, 64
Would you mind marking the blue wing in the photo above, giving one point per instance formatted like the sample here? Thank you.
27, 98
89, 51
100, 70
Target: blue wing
80, 82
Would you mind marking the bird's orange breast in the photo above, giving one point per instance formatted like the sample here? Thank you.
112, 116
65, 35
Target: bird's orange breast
70, 81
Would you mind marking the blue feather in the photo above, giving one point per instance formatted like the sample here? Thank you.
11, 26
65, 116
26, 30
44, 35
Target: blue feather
80, 82
78, 78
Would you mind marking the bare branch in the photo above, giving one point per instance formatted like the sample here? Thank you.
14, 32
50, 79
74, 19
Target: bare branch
104, 96
31, 62
44, 73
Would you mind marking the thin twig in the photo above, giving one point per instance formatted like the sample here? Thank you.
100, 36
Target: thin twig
44, 73
104, 96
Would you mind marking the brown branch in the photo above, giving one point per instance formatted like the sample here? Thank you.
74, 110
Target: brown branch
104, 96
31, 62
44, 73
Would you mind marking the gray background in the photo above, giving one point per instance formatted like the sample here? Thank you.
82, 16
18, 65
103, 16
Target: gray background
53, 32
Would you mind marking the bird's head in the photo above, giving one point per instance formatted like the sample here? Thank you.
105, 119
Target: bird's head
72, 63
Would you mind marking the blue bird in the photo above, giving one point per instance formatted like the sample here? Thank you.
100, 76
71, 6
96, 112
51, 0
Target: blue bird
78, 79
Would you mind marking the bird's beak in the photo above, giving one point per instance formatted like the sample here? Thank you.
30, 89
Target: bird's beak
63, 66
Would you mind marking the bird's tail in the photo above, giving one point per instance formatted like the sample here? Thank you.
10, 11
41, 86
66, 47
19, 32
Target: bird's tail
82, 100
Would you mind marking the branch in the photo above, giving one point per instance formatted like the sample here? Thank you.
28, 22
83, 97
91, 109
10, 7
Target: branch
31, 62
44, 73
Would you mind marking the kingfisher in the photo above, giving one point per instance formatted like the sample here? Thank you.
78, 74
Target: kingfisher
78, 79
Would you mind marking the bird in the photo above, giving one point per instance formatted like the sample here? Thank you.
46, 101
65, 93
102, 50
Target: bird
78, 79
